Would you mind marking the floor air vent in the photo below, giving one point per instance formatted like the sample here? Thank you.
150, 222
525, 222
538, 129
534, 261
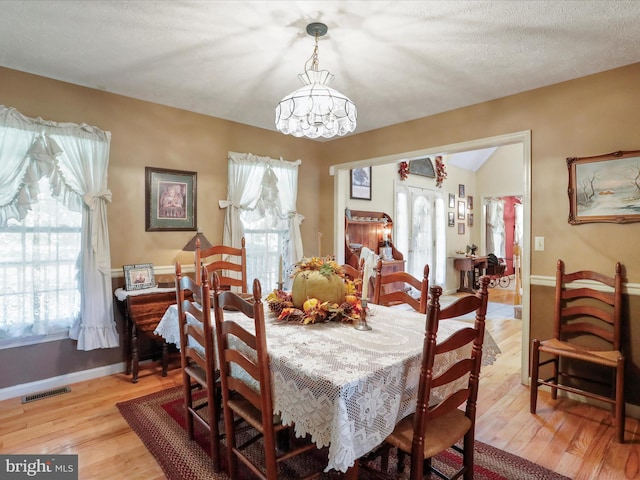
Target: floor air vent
47, 394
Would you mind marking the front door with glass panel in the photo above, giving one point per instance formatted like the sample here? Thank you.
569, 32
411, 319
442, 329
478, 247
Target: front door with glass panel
420, 231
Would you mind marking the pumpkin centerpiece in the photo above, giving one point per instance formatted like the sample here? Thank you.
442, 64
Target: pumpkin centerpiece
320, 279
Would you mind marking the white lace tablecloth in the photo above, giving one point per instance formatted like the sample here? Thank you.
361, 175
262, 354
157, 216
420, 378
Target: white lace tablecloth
346, 388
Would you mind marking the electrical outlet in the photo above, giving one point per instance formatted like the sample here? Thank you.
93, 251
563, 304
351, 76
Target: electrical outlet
539, 244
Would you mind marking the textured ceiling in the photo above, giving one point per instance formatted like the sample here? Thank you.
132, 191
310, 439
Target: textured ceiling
397, 60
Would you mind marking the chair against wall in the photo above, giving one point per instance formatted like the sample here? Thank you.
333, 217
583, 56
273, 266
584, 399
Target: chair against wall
436, 427
197, 352
586, 333
229, 262
249, 395
398, 284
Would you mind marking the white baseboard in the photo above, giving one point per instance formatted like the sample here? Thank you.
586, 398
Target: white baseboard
60, 381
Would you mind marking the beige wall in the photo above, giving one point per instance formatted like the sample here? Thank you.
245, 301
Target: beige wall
588, 116
146, 134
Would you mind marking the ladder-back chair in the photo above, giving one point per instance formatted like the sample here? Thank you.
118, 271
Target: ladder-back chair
587, 332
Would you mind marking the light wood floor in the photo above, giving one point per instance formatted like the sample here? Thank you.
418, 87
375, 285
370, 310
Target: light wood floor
568, 437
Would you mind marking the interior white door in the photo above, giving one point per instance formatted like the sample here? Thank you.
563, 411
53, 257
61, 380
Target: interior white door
420, 231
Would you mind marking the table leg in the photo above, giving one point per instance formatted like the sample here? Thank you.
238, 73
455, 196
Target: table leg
134, 353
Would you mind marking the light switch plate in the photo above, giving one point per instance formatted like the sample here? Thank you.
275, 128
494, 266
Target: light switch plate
539, 244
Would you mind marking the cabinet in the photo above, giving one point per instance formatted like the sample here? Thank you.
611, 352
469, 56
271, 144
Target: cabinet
366, 229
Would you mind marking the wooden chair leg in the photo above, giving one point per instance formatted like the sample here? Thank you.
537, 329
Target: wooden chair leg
556, 369
620, 401
535, 361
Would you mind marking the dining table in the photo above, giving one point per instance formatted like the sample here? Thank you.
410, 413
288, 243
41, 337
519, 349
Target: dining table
346, 388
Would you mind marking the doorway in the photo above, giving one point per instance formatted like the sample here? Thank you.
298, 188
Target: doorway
420, 231
341, 185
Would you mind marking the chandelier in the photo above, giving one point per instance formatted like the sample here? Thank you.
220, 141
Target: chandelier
316, 110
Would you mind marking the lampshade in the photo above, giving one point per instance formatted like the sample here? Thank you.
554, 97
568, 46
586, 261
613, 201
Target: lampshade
316, 110
191, 245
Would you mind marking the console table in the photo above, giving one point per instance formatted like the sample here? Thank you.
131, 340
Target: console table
470, 269
142, 311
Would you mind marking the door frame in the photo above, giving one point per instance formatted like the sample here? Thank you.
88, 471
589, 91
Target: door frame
340, 173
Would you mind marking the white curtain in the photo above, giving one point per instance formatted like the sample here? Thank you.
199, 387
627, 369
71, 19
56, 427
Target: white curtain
75, 158
259, 187
495, 228
519, 224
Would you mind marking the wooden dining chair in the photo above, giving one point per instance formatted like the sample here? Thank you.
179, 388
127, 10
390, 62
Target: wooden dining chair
229, 262
586, 343
354, 274
398, 285
436, 427
248, 394
198, 358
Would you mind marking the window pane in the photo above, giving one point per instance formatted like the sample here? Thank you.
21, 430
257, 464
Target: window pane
39, 291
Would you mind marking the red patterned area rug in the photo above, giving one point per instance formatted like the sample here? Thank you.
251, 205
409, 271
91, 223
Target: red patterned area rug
158, 420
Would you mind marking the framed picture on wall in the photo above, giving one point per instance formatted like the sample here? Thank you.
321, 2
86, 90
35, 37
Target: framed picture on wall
470, 219
469, 202
460, 228
170, 200
461, 190
361, 183
604, 188
452, 200
461, 211
452, 219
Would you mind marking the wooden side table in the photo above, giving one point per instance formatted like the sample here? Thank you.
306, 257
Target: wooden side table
142, 311
470, 269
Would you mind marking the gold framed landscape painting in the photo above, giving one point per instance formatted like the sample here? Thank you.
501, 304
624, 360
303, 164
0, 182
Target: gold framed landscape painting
604, 188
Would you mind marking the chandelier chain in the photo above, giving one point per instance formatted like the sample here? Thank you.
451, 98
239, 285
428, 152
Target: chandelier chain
313, 60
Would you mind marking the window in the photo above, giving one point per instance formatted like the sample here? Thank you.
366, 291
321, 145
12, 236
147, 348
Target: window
55, 274
261, 207
39, 292
263, 256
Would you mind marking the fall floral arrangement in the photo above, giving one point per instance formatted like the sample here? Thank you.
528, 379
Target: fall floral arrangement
320, 293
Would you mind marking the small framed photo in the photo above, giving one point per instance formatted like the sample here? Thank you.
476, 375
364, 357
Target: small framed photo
170, 200
139, 276
361, 183
452, 219
460, 228
461, 210
461, 190
469, 202
470, 219
452, 200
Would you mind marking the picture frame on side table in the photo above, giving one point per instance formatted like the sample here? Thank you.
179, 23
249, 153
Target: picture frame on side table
604, 189
170, 200
139, 276
360, 184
